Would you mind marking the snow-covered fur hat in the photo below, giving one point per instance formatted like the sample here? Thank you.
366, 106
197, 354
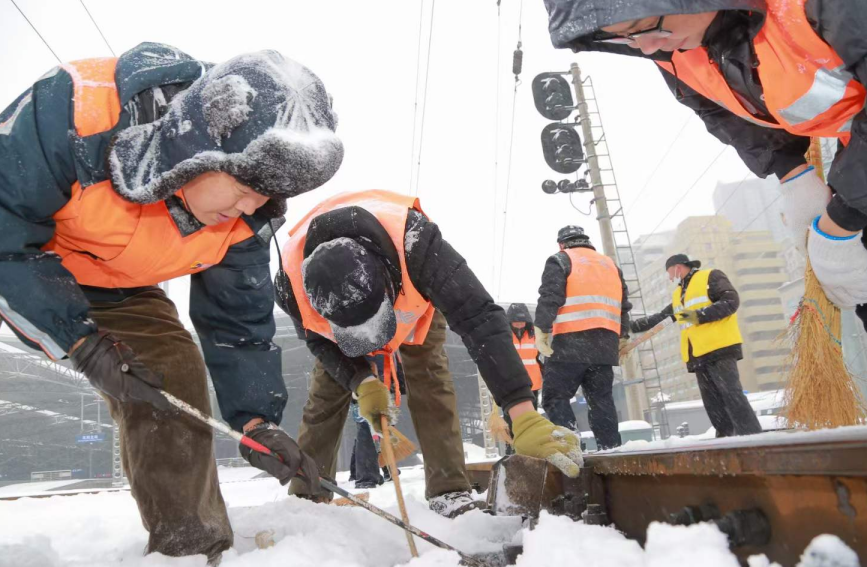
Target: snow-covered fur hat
260, 117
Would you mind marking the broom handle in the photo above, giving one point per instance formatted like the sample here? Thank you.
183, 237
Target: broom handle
630, 346
326, 483
395, 477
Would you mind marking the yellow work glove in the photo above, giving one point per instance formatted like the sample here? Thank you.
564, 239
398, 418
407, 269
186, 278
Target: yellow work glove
543, 342
688, 316
373, 401
537, 437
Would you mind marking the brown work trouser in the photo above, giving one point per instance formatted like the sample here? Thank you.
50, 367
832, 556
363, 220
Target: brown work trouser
432, 406
167, 456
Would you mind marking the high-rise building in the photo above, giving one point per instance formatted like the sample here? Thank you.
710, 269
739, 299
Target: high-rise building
756, 204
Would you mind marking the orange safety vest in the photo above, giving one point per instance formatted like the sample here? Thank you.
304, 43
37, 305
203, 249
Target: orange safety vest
593, 294
805, 83
106, 241
413, 312
526, 347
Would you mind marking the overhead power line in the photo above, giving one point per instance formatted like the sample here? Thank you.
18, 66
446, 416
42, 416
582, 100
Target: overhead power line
97, 28
509, 161
36, 30
658, 164
415, 104
424, 98
682, 197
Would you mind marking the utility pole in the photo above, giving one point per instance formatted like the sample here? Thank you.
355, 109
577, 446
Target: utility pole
608, 247
562, 150
631, 365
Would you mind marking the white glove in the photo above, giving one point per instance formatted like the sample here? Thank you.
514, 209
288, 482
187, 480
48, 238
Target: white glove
805, 197
543, 342
840, 265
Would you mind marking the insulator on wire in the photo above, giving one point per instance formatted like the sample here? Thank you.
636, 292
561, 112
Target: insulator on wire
517, 61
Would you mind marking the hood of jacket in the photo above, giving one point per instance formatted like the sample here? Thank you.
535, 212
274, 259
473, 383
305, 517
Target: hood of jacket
518, 313
571, 23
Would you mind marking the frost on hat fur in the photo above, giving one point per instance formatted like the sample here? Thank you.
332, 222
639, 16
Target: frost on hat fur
262, 118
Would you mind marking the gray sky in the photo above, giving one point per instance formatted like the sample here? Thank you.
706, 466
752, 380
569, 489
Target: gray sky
366, 54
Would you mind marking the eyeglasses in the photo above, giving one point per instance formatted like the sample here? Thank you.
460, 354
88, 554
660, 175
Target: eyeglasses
655, 32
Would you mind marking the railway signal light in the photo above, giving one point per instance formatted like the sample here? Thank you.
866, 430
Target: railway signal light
552, 96
561, 146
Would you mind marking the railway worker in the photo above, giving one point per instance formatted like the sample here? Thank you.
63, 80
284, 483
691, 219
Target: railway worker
524, 339
704, 304
764, 76
117, 174
581, 319
368, 273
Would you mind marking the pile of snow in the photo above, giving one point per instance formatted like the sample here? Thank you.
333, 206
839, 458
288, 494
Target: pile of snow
104, 530
633, 425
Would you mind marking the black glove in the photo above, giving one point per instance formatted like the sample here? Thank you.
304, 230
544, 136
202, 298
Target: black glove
278, 441
113, 369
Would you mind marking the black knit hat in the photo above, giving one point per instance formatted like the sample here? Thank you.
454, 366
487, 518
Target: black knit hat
682, 259
350, 288
571, 232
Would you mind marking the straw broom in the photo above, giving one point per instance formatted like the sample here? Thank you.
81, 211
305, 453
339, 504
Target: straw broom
820, 392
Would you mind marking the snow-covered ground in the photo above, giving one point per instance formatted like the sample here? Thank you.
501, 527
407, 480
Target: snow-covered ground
97, 530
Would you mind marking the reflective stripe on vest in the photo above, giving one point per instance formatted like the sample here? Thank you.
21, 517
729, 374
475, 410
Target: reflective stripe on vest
593, 294
804, 81
391, 210
706, 337
526, 348
106, 241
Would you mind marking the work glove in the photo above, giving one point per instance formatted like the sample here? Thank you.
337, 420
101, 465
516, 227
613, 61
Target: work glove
622, 344
293, 459
537, 437
688, 316
498, 427
805, 196
373, 402
840, 265
114, 370
543, 342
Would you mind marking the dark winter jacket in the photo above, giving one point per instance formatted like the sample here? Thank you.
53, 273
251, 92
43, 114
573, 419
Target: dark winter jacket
725, 301
443, 277
842, 24
231, 304
594, 346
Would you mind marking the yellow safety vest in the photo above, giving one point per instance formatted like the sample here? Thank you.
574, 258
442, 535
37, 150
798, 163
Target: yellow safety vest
706, 337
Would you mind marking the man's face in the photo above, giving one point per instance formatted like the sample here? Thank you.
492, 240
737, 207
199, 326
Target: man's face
676, 271
518, 325
215, 198
686, 32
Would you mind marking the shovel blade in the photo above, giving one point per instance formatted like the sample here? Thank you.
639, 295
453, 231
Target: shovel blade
523, 486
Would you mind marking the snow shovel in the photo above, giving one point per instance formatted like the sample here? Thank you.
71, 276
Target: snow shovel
490, 560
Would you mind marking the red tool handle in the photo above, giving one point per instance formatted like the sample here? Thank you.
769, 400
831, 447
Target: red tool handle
258, 447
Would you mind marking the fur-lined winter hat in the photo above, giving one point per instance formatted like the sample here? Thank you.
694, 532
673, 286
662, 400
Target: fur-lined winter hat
260, 117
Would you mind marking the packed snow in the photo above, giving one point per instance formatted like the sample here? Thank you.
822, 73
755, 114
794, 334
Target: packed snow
102, 530
708, 441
